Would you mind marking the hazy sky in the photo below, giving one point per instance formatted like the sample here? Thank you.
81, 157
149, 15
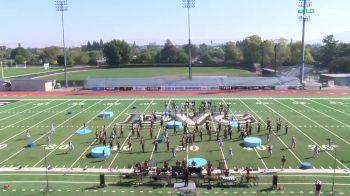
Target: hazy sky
35, 23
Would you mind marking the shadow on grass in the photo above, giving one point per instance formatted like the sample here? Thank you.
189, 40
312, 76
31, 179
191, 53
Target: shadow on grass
62, 153
265, 157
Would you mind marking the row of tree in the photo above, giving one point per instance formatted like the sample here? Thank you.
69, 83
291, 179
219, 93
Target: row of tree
334, 54
52, 55
247, 52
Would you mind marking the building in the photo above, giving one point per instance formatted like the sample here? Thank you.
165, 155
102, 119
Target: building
336, 79
26, 85
3, 48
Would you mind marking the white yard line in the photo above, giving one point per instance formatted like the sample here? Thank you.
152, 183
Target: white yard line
27, 117
7, 117
39, 138
321, 126
285, 145
8, 109
115, 157
305, 135
71, 134
262, 160
160, 128
331, 107
38, 122
329, 115
222, 152
24, 111
121, 113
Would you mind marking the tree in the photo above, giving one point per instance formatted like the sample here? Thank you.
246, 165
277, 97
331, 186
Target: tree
94, 56
295, 49
78, 57
101, 44
88, 46
267, 53
233, 54
194, 50
60, 60
329, 49
117, 52
343, 49
340, 65
20, 55
217, 53
168, 53
49, 54
95, 45
283, 51
181, 56
251, 47
206, 58
19, 59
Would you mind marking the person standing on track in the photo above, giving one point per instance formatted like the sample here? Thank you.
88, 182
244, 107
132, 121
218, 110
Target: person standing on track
318, 186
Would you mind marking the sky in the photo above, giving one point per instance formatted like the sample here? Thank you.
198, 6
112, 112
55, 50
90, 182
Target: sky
36, 23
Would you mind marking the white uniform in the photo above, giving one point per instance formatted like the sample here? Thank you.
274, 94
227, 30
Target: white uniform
48, 138
230, 152
70, 147
52, 129
28, 134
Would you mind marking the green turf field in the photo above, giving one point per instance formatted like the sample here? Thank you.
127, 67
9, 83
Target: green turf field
152, 72
311, 120
15, 72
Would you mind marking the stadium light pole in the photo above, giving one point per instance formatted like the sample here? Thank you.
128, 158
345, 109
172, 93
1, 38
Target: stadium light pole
62, 6
302, 60
189, 4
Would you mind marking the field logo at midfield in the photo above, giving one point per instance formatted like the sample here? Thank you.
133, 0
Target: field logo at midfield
146, 118
191, 119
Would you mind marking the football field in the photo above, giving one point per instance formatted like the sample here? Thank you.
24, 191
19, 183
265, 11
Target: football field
313, 121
